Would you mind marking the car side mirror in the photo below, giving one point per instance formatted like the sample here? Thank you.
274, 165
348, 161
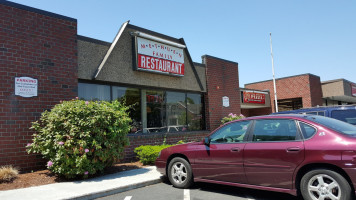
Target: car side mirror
207, 141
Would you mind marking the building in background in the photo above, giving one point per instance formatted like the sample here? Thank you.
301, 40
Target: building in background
304, 91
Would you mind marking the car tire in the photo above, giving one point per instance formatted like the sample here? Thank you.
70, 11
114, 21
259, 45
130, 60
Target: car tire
180, 173
326, 183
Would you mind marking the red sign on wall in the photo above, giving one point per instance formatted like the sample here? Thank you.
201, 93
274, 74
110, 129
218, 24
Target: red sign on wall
156, 57
353, 89
253, 97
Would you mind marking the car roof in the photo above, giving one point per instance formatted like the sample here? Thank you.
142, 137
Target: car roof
320, 108
286, 116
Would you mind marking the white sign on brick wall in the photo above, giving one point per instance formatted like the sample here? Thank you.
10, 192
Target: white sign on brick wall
26, 86
226, 102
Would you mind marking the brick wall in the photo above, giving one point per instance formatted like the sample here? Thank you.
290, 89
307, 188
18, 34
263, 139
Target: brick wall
40, 45
306, 86
157, 139
222, 80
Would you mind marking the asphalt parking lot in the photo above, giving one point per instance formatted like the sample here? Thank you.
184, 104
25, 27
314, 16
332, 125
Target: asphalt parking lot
200, 191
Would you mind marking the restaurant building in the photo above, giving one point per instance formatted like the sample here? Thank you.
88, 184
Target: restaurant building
305, 91
44, 61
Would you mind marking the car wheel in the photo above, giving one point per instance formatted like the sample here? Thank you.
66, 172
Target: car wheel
180, 173
325, 184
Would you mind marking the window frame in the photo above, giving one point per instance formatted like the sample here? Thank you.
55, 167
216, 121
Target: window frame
245, 138
298, 137
301, 132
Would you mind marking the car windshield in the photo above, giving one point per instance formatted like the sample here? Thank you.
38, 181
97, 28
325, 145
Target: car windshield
334, 124
348, 116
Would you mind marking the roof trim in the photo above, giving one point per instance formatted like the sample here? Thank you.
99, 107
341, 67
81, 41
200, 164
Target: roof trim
92, 40
282, 78
208, 56
154, 33
113, 44
36, 10
336, 80
193, 66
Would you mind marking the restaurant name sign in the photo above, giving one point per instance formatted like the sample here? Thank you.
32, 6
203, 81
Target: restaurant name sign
157, 57
254, 97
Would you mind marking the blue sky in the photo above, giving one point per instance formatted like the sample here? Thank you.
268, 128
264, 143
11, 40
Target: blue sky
317, 36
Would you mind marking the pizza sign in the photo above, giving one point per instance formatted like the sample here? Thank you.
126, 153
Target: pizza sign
156, 57
353, 89
254, 97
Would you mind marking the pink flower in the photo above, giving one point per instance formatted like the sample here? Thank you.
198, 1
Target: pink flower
86, 150
234, 115
28, 144
60, 101
76, 98
230, 115
86, 173
50, 163
60, 143
87, 102
241, 115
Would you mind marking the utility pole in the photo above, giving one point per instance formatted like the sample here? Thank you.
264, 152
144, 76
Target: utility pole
274, 80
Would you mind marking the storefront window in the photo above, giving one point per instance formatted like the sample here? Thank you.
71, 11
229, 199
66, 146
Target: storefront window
152, 111
155, 109
94, 92
195, 112
131, 97
176, 111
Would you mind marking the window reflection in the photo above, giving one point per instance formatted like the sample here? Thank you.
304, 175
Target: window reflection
195, 112
176, 112
152, 111
93, 92
131, 97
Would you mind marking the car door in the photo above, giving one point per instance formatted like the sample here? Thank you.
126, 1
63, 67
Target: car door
275, 150
222, 159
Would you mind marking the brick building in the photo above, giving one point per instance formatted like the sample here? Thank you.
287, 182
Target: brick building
43, 61
294, 92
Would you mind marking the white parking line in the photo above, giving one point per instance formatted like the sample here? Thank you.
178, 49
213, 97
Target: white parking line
128, 198
186, 194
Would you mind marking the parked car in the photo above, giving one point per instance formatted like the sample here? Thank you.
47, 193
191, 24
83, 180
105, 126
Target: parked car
346, 113
310, 154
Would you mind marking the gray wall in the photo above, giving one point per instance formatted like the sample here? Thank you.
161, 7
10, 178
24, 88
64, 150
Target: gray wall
119, 66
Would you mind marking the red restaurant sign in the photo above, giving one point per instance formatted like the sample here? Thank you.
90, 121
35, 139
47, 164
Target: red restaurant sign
159, 58
254, 97
353, 89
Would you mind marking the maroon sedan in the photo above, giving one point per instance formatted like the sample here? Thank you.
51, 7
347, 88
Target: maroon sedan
311, 155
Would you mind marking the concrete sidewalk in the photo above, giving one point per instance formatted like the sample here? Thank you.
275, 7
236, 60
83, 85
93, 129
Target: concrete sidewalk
88, 189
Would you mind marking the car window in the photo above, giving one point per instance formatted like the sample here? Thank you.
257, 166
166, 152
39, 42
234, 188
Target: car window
307, 130
274, 130
231, 133
348, 116
337, 125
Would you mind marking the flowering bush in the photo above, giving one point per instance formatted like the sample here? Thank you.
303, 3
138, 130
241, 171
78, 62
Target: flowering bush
79, 138
231, 117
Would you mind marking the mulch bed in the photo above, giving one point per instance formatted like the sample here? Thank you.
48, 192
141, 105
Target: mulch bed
44, 177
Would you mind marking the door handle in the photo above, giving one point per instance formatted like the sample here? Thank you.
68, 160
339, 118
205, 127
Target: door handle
293, 149
235, 149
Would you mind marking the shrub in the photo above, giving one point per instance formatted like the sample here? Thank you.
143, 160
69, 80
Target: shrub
231, 117
80, 137
8, 173
147, 154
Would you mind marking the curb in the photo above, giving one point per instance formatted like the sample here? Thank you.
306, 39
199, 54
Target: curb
105, 193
